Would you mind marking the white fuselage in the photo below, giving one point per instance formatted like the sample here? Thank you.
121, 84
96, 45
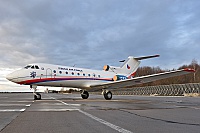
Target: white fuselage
60, 76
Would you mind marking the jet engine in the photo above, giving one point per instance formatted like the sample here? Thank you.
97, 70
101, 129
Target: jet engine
106, 67
119, 77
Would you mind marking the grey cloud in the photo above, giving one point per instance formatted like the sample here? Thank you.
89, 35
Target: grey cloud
93, 33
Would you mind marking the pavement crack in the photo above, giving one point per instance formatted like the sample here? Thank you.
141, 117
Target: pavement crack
11, 121
157, 119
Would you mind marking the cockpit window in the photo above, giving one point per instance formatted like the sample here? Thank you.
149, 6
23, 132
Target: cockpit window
37, 67
32, 67
26, 67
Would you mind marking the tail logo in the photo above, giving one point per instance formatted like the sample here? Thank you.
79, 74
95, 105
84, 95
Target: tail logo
128, 67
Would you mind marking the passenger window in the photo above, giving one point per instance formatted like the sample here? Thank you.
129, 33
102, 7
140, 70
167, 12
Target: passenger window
94, 75
83, 74
99, 76
89, 75
72, 73
66, 72
60, 72
78, 74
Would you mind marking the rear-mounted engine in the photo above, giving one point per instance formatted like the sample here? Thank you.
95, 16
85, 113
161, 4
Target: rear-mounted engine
106, 67
119, 77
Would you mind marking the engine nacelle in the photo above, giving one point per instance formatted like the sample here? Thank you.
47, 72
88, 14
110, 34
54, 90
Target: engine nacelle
106, 67
119, 77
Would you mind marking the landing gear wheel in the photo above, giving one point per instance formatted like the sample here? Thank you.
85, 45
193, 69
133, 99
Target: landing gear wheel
37, 96
85, 95
107, 95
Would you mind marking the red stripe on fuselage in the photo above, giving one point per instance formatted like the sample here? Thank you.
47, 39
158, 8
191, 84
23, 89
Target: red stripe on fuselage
34, 81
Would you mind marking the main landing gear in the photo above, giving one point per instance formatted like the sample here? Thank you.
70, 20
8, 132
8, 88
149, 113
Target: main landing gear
84, 94
107, 94
37, 95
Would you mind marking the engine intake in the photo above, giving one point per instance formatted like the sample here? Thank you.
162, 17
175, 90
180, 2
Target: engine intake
119, 77
106, 67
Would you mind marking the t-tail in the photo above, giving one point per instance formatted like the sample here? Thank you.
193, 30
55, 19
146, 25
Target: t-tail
129, 66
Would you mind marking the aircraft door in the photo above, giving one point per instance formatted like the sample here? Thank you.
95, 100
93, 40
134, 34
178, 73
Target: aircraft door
49, 73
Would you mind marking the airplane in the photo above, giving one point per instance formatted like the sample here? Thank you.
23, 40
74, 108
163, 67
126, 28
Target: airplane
111, 77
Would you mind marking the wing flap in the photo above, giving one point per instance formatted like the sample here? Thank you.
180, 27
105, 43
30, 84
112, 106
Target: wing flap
141, 80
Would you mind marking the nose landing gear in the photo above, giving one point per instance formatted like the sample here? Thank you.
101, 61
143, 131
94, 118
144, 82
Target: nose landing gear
37, 95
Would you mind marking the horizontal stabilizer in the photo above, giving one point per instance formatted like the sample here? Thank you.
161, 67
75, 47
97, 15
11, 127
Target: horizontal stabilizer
146, 57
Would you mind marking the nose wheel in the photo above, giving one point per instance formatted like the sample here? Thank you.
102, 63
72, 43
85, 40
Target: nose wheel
37, 96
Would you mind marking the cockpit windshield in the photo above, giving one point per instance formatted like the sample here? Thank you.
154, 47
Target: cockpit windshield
36, 67
28, 66
32, 67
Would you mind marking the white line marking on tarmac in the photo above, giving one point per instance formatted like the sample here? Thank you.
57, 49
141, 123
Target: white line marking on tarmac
117, 128
12, 105
22, 110
12, 110
66, 103
195, 108
60, 101
28, 105
57, 109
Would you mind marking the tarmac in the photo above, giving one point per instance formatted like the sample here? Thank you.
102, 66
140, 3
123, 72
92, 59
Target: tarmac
61, 113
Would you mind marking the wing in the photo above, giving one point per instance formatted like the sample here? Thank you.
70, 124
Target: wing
140, 80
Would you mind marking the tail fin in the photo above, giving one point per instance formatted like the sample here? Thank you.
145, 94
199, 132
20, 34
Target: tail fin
130, 66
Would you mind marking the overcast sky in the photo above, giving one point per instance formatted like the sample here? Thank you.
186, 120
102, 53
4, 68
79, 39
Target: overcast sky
92, 33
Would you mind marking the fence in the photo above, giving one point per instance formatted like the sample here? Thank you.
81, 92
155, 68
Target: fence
164, 90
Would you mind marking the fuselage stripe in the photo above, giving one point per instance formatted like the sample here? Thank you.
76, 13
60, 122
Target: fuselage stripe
34, 81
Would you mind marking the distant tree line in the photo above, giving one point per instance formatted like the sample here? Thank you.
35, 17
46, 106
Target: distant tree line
189, 78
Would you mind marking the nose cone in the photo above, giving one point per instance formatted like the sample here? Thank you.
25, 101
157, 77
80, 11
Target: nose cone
9, 77
12, 77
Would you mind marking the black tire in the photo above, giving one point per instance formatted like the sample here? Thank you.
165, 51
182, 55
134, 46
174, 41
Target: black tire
108, 95
85, 95
37, 96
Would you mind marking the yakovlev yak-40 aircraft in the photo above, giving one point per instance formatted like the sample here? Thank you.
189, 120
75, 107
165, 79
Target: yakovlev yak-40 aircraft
39, 74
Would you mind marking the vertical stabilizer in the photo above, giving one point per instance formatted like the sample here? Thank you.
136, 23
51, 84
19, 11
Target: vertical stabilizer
130, 66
